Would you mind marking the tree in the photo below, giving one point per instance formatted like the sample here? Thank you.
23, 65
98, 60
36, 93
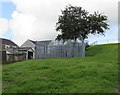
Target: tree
76, 23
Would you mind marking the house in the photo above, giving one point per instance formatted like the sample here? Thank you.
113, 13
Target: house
11, 52
29, 44
13, 55
34, 44
5, 43
28, 51
5, 47
19, 54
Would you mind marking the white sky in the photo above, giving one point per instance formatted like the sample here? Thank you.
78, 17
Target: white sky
36, 19
4, 25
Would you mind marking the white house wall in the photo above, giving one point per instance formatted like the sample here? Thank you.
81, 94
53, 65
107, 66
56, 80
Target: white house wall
28, 43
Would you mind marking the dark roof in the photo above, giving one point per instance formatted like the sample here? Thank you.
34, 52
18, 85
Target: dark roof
7, 42
18, 50
23, 48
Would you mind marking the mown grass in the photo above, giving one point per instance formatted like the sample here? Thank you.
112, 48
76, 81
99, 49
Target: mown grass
96, 73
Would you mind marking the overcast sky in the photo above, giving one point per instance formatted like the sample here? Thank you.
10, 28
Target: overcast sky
36, 19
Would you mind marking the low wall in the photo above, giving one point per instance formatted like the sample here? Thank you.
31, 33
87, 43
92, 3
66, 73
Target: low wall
15, 57
3, 57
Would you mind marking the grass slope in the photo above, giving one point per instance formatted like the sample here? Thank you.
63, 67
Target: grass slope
96, 73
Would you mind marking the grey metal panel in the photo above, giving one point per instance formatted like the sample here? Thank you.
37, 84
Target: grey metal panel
51, 50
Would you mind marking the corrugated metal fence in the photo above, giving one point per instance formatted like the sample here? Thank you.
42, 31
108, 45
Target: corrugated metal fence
52, 50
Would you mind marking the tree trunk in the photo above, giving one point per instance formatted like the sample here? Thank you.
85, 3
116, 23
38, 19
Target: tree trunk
75, 40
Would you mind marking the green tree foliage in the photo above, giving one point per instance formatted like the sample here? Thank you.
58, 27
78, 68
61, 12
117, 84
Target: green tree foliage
76, 23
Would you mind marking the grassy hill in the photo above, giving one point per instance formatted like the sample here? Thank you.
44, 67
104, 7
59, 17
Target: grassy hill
96, 73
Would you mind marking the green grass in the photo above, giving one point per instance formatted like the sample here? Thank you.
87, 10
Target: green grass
96, 73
